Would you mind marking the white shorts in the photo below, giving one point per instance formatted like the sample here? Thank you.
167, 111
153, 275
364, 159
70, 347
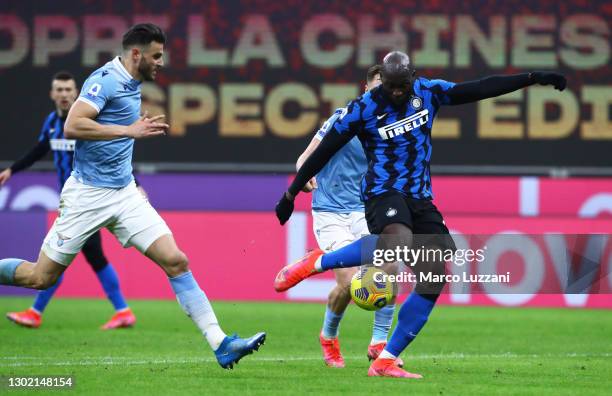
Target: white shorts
85, 209
335, 230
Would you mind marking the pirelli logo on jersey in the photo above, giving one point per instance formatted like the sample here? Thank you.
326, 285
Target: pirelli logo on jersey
62, 144
405, 125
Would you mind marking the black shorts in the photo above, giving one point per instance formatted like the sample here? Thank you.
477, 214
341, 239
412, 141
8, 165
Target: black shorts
420, 215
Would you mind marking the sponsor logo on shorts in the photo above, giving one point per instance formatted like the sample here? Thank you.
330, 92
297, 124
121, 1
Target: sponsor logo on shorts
391, 212
60, 239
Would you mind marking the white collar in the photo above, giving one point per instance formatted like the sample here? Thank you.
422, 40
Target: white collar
121, 69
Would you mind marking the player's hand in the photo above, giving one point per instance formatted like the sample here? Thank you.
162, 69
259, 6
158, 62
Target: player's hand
284, 208
311, 185
5, 175
557, 80
147, 127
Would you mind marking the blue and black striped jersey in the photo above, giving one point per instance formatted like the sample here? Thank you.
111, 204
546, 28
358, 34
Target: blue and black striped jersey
396, 139
63, 149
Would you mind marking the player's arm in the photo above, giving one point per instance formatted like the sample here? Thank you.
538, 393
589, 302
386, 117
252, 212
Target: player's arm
314, 143
340, 134
81, 124
35, 154
489, 87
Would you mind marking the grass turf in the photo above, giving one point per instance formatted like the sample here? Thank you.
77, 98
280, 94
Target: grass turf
462, 350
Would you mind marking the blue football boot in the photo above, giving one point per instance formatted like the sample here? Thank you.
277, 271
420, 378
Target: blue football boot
234, 348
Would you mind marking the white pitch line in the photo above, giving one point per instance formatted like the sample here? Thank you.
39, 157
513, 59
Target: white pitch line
125, 361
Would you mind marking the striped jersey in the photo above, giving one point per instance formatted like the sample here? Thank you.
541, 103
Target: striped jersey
396, 139
63, 149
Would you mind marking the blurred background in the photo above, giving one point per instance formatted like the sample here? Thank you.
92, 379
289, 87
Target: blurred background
247, 84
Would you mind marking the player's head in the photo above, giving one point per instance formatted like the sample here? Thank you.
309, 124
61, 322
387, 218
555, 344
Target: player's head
373, 77
63, 91
144, 45
397, 76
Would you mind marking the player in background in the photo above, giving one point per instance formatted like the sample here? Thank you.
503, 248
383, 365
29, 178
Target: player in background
63, 94
394, 123
339, 219
101, 191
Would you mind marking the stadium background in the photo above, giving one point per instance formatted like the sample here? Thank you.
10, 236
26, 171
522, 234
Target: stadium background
247, 84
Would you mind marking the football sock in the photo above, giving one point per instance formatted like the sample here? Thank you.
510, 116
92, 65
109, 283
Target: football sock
44, 296
7, 270
110, 283
383, 318
331, 323
354, 254
195, 304
386, 355
411, 318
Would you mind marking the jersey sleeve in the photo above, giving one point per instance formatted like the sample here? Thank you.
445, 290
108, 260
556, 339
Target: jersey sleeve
44, 131
97, 91
349, 121
327, 125
439, 90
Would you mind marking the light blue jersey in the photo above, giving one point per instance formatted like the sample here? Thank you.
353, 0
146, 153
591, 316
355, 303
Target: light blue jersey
116, 96
339, 182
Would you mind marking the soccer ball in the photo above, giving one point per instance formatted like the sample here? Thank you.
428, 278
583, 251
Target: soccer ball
367, 292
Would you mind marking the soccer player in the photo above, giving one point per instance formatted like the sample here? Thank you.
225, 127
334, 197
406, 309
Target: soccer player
338, 219
101, 191
51, 138
393, 123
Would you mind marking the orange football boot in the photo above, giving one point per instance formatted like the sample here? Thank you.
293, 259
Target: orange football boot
28, 318
124, 318
292, 274
374, 351
331, 351
388, 368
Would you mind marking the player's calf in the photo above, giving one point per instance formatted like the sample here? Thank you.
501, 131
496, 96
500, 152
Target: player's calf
40, 275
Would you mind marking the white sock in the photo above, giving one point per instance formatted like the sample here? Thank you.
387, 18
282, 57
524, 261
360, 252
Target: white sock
195, 304
317, 264
386, 355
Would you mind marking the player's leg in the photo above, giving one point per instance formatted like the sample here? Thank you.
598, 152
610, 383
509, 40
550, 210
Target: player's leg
75, 223
107, 276
40, 275
139, 225
332, 231
357, 253
32, 317
383, 318
431, 232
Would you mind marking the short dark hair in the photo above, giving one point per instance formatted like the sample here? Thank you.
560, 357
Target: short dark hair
63, 76
372, 72
143, 34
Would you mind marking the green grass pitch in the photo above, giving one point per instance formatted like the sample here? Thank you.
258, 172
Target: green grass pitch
462, 350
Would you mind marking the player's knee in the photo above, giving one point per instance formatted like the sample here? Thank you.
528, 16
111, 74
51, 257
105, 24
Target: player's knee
96, 259
343, 279
176, 263
396, 235
41, 282
434, 279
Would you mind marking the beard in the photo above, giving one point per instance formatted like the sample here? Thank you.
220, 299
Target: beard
146, 70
